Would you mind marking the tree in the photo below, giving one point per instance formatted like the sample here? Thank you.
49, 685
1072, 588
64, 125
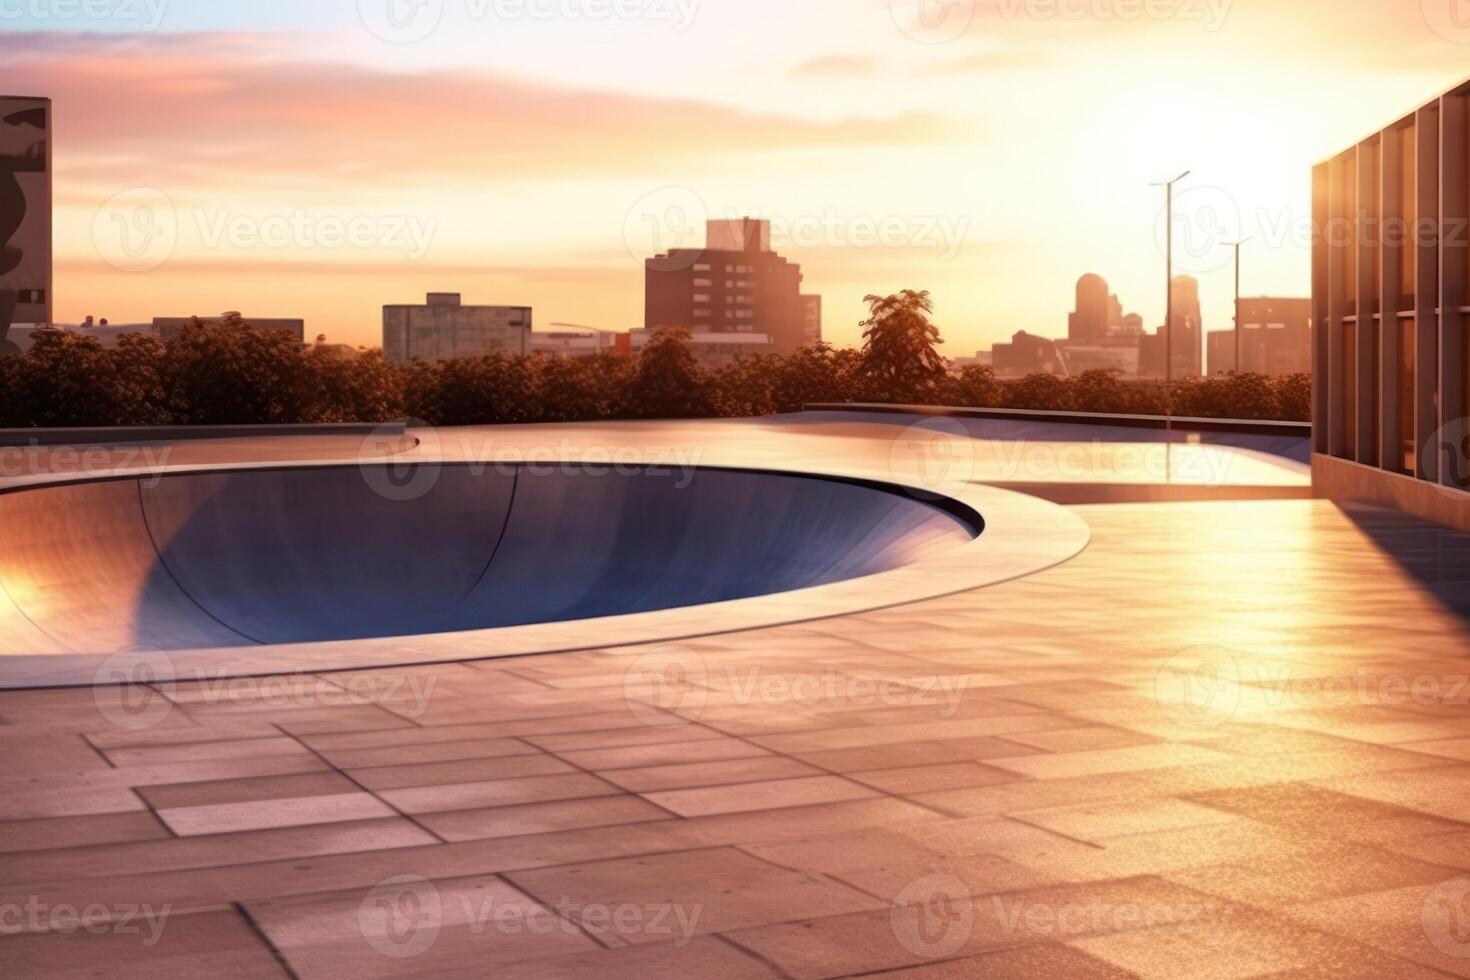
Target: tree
975, 387
670, 384
901, 360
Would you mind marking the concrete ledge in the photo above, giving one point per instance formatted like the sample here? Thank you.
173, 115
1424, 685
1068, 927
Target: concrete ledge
1341, 479
1077, 494
1186, 424
175, 433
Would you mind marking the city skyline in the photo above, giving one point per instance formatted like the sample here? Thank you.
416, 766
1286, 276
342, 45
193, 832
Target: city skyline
397, 150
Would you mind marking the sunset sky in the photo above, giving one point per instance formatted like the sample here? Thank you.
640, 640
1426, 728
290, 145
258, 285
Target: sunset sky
320, 159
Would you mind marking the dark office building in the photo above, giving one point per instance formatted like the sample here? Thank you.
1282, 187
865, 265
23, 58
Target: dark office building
736, 284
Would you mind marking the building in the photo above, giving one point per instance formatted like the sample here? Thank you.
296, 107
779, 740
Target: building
1390, 272
1099, 338
1275, 338
169, 327
443, 329
1026, 354
812, 324
25, 214
736, 284
1187, 326
579, 342
714, 349
107, 334
1088, 325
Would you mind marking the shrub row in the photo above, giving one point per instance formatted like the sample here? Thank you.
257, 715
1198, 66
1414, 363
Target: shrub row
233, 374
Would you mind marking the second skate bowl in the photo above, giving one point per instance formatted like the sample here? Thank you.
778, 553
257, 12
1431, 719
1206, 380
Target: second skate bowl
303, 555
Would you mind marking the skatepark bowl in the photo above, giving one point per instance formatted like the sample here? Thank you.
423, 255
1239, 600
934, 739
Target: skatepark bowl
311, 554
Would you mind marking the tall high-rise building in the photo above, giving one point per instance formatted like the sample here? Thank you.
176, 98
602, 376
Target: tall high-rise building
25, 214
735, 284
1089, 324
443, 329
1187, 328
813, 323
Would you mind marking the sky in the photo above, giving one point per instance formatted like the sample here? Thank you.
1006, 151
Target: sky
321, 159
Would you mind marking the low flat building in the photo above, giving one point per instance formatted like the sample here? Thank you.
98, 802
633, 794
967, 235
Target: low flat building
1026, 354
443, 329
714, 349
1275, 338
578, 343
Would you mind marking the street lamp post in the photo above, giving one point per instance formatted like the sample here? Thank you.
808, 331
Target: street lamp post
1237, 245
1168, 186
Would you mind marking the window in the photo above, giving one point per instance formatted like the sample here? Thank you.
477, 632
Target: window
701, 297
701, 267
703, 282
701, 312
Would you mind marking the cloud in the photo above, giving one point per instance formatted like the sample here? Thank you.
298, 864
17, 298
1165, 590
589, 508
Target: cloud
207, 109
837, 66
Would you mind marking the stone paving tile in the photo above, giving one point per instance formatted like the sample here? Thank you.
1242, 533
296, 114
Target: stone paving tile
422, 752
851, 851
1315, 811
705, 957
1088, 739
176, 854
205, 751
1097, 822
725, 888
1419, 923
1100, 761
759, 796
1045, 961
458, 771
169, 796
464, 925
623, 737
928, 779
706, 750
1244, 945
170, 947
981, 874
541, 818
224, 818
698, 774
936, 919
1294, 879
104, 828
903, 755
498, 792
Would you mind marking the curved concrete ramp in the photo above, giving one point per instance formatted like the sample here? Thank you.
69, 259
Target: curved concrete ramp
306, 555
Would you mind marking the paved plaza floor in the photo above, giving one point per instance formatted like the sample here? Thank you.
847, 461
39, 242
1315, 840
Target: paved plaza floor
1231, 738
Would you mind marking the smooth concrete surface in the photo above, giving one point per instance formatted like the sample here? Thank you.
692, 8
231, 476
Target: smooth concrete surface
119, 435
308, 555
1179, 423
71, 613
1228, 740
